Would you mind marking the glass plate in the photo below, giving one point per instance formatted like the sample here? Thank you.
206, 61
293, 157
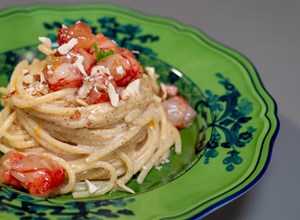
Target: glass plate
225, 152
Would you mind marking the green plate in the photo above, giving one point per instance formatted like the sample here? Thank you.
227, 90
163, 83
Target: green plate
225, 152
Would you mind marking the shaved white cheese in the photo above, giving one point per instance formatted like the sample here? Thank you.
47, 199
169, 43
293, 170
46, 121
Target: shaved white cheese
120, 70
91, 187
39, 87
165, 161
150, 70
158, 168
164, 158
42, 77
65, 48
126, 188
81, 102
46, 41
164, 91
97, 70
78, 64
153, 76
84, 90
64, 26
113, 95
151, 73
46, 50
157, 99
110, 78
95, 89
124, 94
28, 79
133, 88
24, 71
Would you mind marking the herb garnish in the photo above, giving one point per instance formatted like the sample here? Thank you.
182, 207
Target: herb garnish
102, 54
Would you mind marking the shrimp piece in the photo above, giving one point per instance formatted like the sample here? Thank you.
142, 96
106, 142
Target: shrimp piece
99, 92
66, 75
6, 161
179, 112
88, 61
123, 67
105, 43
40, 176
79, 30
97, 96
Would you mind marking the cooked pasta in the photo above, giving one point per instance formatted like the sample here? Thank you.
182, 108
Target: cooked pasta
99, 145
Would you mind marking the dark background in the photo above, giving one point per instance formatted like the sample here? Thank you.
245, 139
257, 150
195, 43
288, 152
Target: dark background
268, 33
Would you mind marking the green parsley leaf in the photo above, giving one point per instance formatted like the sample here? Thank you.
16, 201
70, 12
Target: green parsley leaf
102, 54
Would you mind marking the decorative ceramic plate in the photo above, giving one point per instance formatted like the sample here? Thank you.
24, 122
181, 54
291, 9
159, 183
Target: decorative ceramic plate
226, 151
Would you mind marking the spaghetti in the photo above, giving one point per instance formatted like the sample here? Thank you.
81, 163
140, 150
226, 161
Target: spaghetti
99, 144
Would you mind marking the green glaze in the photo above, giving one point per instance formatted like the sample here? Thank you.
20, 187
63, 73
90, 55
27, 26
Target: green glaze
225, 151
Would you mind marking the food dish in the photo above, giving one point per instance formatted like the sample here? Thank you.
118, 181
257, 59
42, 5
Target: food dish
228, 167
89, 116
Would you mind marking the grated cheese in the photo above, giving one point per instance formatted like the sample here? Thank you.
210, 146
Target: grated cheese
120, 70
24, 71
46, 41
84, 90
46, 50
164, 91
126, 188
157, 98
133, 88
113, 95
124, 94
97, 70
79, 65
28, 79
91, 187
158, 168
81, 102
42, 77
65, 48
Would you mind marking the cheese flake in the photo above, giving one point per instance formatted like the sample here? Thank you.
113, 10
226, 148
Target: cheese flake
91, 187
133, 88
126, 188
113, 95
28, 79
124, 94
46, 50
79, 64
65, 48
98, 70
46, 41
164, 91
120, 70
